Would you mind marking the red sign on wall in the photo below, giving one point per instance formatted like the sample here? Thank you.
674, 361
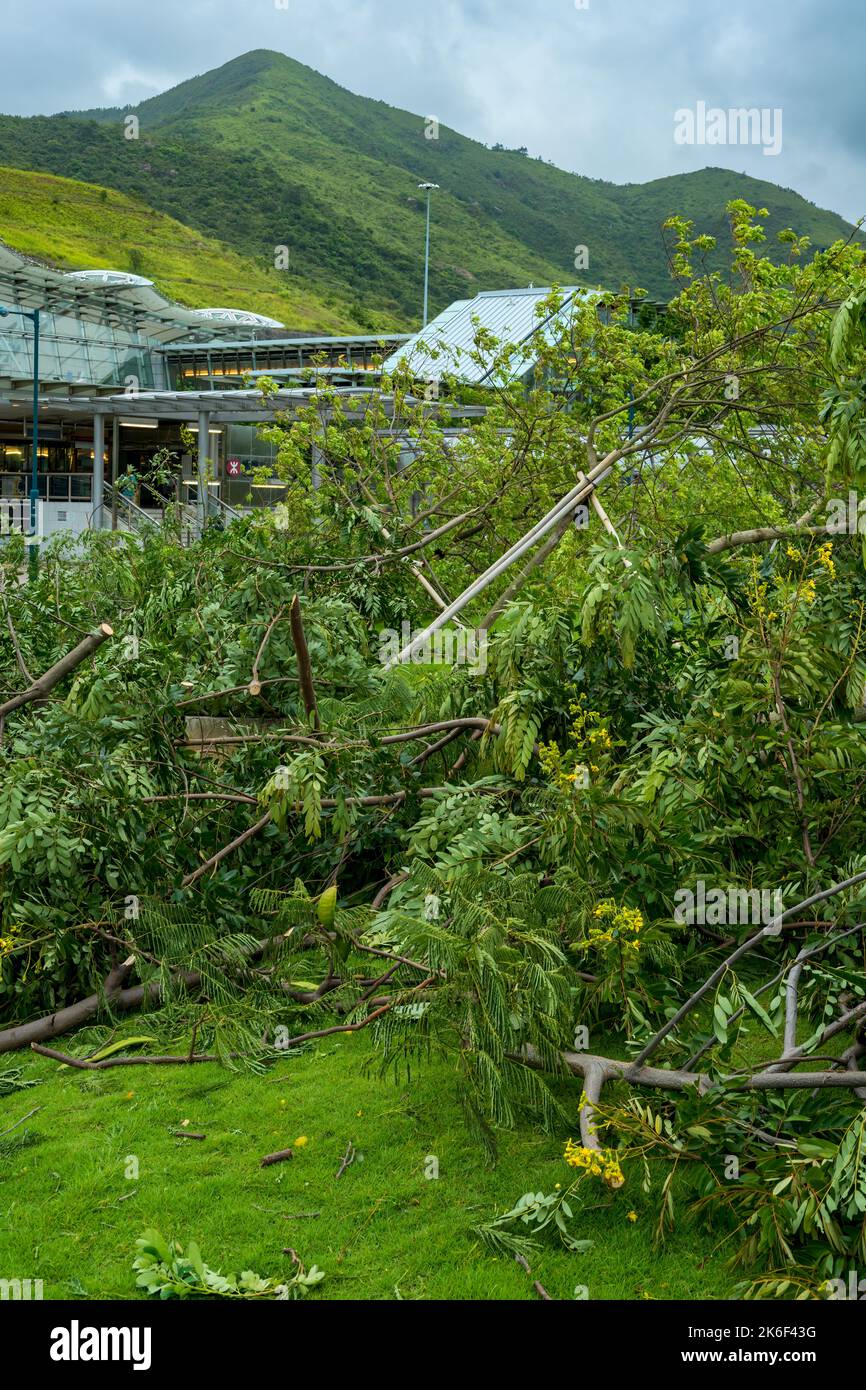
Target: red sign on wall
233, 468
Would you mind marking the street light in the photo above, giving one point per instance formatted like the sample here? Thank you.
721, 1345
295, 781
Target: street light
428, 188
34, 457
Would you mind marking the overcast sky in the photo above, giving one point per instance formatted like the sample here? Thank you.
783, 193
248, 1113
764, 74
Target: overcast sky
592, 88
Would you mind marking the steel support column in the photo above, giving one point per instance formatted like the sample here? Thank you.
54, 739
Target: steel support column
201, 502
98, 469
115, 468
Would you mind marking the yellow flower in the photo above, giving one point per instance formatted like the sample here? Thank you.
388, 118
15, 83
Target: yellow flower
129, 1095
596, 1163
624, 928
301, 1141
602, 737
632, 1216
825, 558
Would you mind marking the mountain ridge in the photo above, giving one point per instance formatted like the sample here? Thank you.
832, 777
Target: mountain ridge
264, 152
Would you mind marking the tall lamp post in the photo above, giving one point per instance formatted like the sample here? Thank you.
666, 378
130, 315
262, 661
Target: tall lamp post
428, 188
34, 455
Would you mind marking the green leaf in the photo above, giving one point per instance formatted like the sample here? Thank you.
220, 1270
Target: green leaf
326, 907
754, 1007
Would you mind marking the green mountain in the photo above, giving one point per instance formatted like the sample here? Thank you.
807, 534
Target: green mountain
265, 153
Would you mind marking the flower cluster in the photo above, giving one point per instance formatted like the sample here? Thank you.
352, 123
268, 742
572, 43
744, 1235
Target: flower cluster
581, 733
8, 942
759, 601
550, 759
616, 925
575, 767
787, 594
596, 1163
825, 558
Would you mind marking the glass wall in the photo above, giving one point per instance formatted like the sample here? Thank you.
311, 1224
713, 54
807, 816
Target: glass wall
242, 442
246, 450
64, 473
77, 352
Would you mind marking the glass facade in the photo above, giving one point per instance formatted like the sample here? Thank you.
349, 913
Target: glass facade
244, 443
192, 364
64, 472
109, 332
78, 352
245, 448
102, 349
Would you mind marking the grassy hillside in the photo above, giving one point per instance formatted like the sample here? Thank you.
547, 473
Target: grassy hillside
78, 226
265, 152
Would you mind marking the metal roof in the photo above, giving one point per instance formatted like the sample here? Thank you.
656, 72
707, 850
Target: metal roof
242, 316
223, 407
446, 345
341, 340
306, 373
111, 297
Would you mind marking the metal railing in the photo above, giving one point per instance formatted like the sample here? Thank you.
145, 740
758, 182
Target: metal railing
136, 519
133, 517
216, 507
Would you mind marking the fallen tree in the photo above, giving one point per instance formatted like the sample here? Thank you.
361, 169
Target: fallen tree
505, 838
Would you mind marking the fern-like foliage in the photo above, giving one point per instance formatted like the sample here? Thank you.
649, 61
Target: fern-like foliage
504, 986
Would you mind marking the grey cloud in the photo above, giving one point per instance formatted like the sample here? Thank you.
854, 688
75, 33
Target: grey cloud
594, 89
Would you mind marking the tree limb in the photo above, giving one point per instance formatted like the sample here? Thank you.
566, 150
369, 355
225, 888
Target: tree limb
55, 675
305, 672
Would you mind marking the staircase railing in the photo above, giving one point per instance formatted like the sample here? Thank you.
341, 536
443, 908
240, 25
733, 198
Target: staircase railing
136, 519
218, 510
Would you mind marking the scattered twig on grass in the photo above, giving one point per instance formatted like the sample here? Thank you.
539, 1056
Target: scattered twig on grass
186, 1134
281, 1157
347, 1160
21, 1121
542, 1292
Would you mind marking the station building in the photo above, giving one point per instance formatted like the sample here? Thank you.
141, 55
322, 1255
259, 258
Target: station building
120, 370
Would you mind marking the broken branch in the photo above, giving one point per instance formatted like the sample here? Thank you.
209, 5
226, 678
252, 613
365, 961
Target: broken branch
55, 675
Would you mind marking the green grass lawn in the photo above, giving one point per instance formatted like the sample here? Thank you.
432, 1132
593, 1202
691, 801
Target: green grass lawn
70, 1214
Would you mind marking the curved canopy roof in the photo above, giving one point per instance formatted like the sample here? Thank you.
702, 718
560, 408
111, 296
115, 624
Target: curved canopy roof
113, 297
